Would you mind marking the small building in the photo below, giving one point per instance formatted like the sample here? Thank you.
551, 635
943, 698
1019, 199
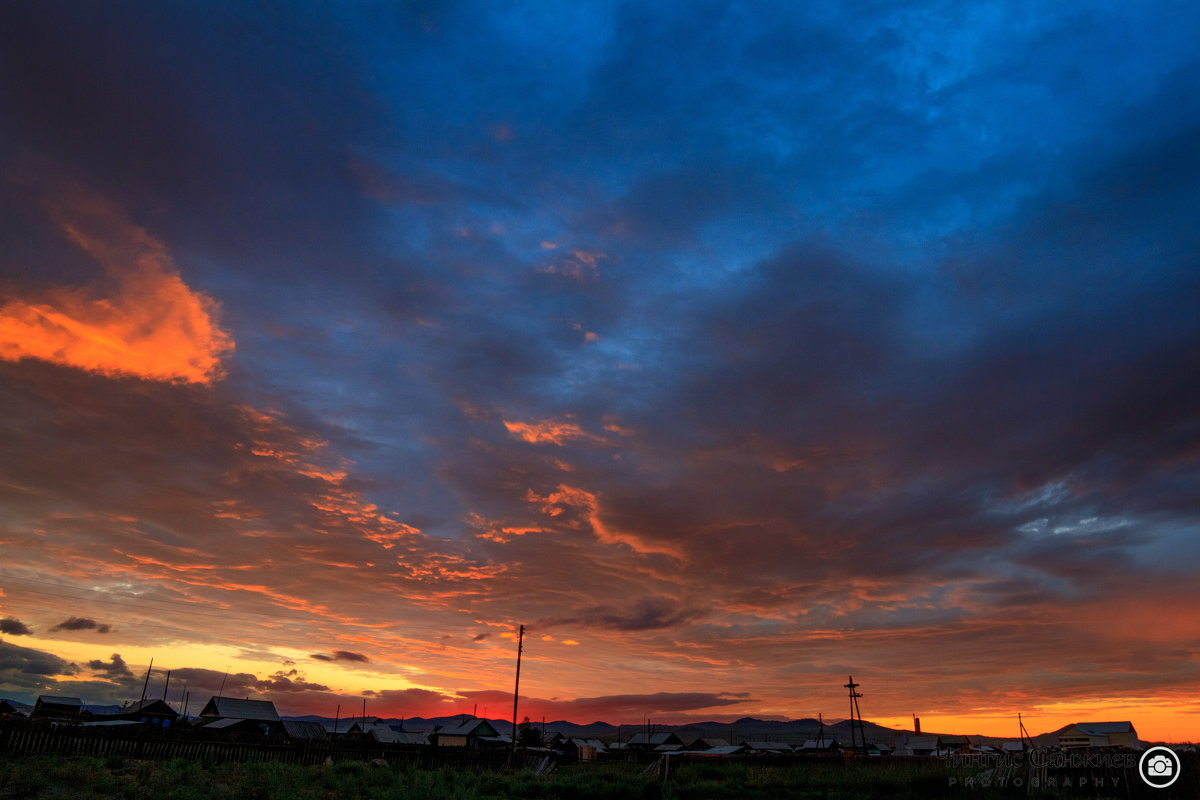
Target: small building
707, 743
153, 712
921, 746
1099, 735
644, 743
379, 731
581, 749
767, 748
65, 709
300, 730
470, 733
819, 746
721, 751
241, 716
953, 745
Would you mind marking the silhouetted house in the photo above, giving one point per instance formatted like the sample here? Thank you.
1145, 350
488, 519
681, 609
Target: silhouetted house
721, 751
240, 716
704, 743
66, 709
921, 746
818, 746
299, 730
1012, 746
644, 743
878, 749
767, 748
153, 712
469, 733
378, 731
953, 745
1098, 734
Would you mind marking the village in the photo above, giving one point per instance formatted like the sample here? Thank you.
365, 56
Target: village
250, 729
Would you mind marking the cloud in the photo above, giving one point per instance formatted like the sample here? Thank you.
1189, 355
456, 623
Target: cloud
546, 431
648, 613
341, 655
142, 320
81, 624
114, 668
14, 627
24, 661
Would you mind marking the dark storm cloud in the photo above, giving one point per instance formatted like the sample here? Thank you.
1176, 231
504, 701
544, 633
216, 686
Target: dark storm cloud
115, 667
81, 624
225, 132
613, 708
25, 661
32, 662
649, 613
710, 331
14, 627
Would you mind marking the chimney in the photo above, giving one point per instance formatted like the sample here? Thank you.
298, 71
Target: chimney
916, 725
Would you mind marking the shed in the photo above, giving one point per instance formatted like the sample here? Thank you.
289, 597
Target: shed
299, 730
232, 708
63, 708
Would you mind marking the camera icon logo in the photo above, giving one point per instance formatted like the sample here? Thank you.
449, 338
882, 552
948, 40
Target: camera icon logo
1159, 767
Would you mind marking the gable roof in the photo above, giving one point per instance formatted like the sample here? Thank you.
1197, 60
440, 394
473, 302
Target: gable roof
232, 708
156, 706
824, 744
655, 739
1103, 728
50, 700
472, 727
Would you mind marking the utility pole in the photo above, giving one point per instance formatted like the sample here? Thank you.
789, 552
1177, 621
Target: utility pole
517, 687
856, 716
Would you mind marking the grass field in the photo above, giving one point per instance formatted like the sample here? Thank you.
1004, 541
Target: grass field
84, 777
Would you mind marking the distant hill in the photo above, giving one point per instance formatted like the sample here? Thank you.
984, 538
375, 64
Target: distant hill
795, 731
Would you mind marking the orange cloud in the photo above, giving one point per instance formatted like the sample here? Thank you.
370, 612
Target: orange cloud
143, 320
546, 431
582, 265
587, 504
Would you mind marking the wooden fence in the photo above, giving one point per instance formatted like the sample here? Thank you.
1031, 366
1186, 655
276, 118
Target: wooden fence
147, 742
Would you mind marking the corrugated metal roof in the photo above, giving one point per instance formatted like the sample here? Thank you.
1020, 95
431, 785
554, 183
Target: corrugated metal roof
304, 729
261, 710
224, 722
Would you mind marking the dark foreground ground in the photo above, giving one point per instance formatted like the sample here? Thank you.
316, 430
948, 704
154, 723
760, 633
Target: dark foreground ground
115, 777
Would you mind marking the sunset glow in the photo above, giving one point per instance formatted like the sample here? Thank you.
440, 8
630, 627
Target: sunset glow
730, 351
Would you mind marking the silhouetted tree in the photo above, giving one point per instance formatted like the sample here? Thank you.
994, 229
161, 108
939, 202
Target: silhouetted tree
527, 735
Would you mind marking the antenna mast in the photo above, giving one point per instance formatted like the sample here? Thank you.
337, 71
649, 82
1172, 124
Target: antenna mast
146, 685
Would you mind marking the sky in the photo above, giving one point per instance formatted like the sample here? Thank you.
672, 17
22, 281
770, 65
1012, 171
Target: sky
730, 348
